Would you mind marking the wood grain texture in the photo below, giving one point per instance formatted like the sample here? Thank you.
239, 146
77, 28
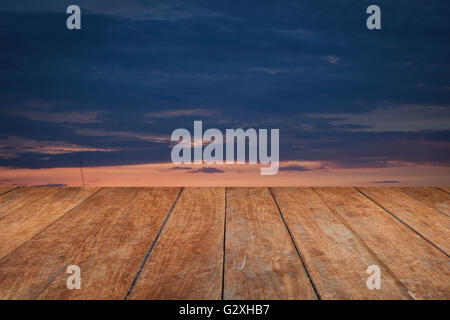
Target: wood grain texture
446, 189
106, 236
335, 257
110, 232
261, 261
421, 267
430, 223
4, 190
187, 261
22, 199
27, 211
431, 197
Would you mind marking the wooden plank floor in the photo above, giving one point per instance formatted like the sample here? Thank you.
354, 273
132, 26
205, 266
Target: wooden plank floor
260, 261
25, 212
187, 262
225, 243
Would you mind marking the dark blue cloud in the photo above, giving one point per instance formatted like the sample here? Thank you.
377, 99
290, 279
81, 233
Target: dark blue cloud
207, 170
262, 64
294, 168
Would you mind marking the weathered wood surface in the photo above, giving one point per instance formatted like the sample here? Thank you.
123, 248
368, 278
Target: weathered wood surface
446, 189
187, 261
235, 243
27, 211
335, 257
421, 267
261, 261
106, 236
4, 190
430, 223
432, 197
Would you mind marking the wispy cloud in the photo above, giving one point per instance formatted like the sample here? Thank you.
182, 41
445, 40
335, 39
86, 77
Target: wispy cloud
304, 165
392, 118
60, 117
433, 87
332, 59
12, 146
207, 170
274, 71
294, 168
123, 135
131, 9
158, 10
181, 113
296, 33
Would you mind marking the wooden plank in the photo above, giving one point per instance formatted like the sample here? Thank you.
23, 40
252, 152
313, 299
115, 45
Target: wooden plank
336, 259
21, 199
113, 251
261, 261
431, 224
107, 237
421, 267
432, 197
187, 261
446, 189
27, 211
4, 190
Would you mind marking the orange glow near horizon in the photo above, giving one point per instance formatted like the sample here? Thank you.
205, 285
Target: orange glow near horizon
165, 175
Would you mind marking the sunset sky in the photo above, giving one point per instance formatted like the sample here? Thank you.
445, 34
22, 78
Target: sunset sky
354, 106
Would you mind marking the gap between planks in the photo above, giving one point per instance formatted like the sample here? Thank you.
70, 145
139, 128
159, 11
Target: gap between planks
444, 189
8, 190
406, 224
224, 244
152, 245
361, 241
50, 224
295, 245
186, 262
426, 280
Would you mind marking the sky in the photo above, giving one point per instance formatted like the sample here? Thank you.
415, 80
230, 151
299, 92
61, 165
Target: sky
354, 106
